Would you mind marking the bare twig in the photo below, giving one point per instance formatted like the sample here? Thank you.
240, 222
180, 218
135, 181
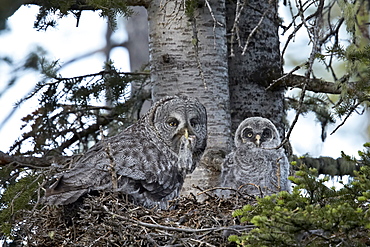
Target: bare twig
215, 23
213, 16
295, 120
314, 35
235, 28
255, 185
253, 31
26, 161
170, 228
353, 108
201, 243
215, 188
274, 82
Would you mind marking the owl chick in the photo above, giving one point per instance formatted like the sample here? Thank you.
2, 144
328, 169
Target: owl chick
256, 166
148, 161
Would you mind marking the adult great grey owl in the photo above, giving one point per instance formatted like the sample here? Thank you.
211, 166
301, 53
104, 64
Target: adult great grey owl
256, 163
149, 160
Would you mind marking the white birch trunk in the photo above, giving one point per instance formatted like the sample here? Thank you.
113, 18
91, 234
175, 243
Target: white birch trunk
189, 55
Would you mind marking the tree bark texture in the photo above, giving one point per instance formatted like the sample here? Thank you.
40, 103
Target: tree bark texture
254, 61
188, 55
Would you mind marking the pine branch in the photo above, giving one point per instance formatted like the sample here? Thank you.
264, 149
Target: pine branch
90, 130
83, 5
328, 165
101, 73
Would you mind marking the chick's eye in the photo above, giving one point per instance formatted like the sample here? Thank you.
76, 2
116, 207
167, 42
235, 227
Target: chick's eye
173, 122
266, 133
247, 133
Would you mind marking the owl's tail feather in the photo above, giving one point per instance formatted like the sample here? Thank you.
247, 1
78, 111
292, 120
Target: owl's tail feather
59, 193
64, 198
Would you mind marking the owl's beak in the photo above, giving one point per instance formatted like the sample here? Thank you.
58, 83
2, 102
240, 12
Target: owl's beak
258, 140
186, 133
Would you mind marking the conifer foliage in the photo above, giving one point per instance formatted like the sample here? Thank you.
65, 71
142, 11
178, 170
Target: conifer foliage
71, 110
313, 214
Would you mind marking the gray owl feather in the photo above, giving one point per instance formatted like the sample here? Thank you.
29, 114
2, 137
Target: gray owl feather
149, 159
255, 160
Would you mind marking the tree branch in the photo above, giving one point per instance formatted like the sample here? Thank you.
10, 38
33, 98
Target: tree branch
26, 161
353, 108
91, 129
83, 5
8, 8
314, 84
328, 165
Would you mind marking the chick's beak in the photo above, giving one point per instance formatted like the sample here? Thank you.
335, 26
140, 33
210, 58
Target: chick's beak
258, 140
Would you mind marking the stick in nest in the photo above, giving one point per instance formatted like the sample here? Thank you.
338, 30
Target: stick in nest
177, 229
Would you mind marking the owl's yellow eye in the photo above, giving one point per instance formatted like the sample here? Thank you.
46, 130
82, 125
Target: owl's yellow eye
247, 133
173, 122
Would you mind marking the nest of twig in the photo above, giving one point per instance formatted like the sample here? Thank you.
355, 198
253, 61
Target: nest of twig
109, 220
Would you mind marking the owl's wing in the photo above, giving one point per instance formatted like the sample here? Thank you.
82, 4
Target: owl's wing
84, 175
148, 171
143, 170
284, 165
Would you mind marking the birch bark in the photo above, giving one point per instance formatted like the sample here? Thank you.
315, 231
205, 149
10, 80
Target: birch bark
188, 54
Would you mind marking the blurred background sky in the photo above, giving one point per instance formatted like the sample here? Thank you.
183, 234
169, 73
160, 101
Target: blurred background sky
66, 42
